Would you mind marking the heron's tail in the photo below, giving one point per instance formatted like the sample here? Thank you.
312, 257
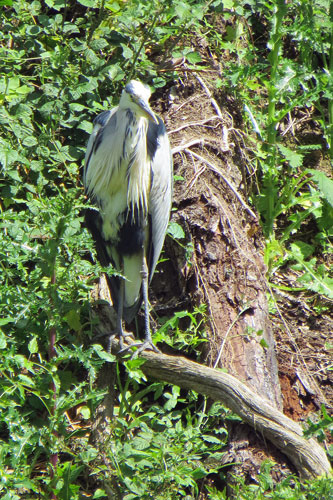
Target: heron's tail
130, 312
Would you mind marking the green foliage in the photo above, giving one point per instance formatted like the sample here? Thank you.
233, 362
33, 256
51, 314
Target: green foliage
288, 488
321, 428
171, 445
183, 330
62, 63
275, 80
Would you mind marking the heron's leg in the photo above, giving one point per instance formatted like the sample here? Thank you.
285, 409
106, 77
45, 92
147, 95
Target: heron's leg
144, 275
120, 313
148, 343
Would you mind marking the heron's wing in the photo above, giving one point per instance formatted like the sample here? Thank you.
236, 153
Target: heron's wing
161, 189
95, 139
93, 218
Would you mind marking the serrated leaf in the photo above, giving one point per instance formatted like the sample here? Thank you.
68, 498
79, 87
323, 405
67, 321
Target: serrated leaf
26, 380
86, 126
30, 141
127, 52
325, 185
211, 439
70, 28
295, 159
103, 354
98, 44
193, 57
303, 248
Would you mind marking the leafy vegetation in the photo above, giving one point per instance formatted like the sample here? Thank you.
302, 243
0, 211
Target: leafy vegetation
62, 63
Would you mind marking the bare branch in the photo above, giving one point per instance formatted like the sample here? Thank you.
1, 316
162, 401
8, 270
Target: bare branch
184, 147
212, 100
307, 455
194, 124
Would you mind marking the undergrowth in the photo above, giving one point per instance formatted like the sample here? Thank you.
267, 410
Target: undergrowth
62, 63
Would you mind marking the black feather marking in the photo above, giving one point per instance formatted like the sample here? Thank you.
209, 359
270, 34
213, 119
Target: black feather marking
154, 132
127, 133
94, 224
131, 235
131, 117
102, 118
98, 140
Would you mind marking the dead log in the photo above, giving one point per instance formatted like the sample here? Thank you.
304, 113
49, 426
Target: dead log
307, 455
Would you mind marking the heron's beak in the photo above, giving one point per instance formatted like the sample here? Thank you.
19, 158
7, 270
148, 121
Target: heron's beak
149, 113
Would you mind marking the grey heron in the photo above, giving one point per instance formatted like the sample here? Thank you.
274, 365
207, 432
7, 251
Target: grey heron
128, 176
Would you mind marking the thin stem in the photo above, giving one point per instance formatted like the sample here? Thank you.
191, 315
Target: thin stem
52, 354
330, 101
274, 58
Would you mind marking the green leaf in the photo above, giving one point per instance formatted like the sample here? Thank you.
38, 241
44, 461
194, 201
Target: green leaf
211, 439
193, 57
176, 231
30, 141
88, 3
3, 340
325, 185
5, 321
103, 354
303, 249
86, 126
73, 320
26, 380
100, 494
85, 412
33, 346
295, 159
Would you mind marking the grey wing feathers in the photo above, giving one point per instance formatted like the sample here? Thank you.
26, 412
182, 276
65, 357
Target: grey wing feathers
99, 123
160, 194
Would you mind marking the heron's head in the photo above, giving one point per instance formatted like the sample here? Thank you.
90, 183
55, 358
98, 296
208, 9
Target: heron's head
135, 97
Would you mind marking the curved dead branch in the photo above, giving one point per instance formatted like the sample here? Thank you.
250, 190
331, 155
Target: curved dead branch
306, 454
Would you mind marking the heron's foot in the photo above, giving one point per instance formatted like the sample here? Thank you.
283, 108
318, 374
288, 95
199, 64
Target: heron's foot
142, 346
115, 335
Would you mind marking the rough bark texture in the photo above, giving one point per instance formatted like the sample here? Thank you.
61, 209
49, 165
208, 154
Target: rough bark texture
227, 271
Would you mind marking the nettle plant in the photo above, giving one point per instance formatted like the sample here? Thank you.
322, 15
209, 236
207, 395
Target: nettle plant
62, 63
284, 67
